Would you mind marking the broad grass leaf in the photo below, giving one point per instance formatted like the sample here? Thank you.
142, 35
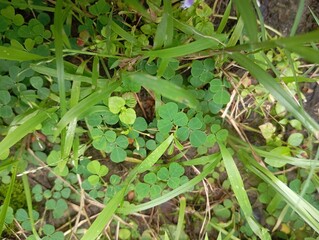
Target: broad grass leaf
164, 88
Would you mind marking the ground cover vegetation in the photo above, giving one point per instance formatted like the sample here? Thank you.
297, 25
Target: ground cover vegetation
155, 119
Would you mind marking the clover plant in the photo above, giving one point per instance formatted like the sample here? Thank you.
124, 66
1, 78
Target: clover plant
23, 218
155, 183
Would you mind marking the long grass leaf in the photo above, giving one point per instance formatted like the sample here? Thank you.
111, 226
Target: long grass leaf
154, 156
183, 50
13, 54
111, 207
181, 215
225, 17
308, 53
278, 92
261, 20
26, 127
138, 7
240, 192
104, 217
300, 162
192, 31
27, 192
246, 11
298, 17
6, 202
170, 195
164, 88
236, 33
95, 72
58, 43
165, 29
303, 208
83, 106
282, 42
124, 34
314, 16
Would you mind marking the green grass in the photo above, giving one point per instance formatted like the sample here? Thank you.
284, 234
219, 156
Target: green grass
186, 122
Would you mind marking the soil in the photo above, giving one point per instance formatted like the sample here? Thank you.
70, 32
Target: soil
280, 14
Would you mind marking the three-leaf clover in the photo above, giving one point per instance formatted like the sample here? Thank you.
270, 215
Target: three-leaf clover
97, 170
155, 183
117, 105
170, 116
23, 217
51, 234
201, 72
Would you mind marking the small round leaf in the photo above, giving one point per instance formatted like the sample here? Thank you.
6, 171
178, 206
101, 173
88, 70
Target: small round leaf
118, 155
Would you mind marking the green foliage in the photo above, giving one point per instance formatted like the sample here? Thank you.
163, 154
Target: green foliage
22, 216
89, 89
97, 170
17, 198
51, 234
155, 183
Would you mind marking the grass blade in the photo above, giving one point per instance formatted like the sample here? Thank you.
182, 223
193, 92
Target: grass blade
83, 106
6, 202
314, 16
138, 7
299, 162
165, 29
124, 34
298, 17
58, 43
303, 208
224, 20
154, 156
174, 193
186, 49
240, 193
31, 122
13, 54
307, 53
246, 11
164, 88
104, 217
236, 33
282, 42
181, 215
95, 72
278, 92
110, 208
28, 197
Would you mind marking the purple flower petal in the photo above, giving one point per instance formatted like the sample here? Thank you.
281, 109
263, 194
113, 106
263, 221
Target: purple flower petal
187, 3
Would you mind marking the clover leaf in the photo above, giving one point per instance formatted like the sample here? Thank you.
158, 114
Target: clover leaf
98, 170
168, 111
116, 104
176, 170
